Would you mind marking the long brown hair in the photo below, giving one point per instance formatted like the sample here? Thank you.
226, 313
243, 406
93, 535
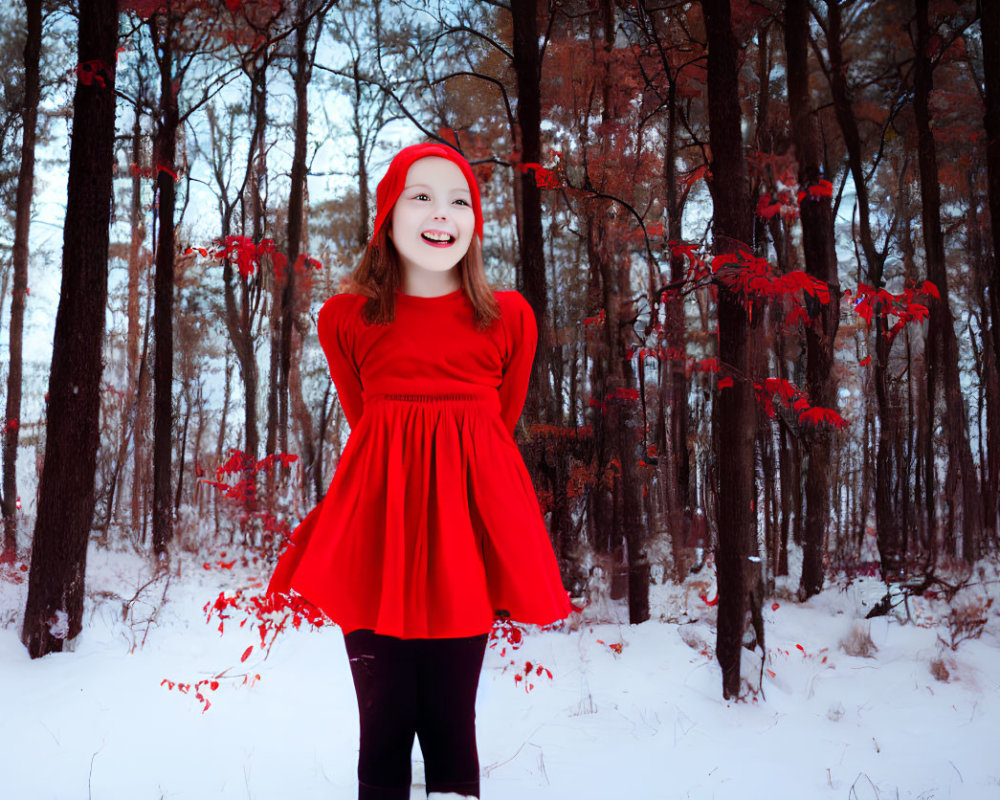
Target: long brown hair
379, 275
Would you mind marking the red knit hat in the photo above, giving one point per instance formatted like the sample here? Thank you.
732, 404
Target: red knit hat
390, 187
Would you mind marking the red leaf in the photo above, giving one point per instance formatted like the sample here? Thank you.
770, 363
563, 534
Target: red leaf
725, 383
246, 654
775, 606
817, 415
929, 288
864, 362
821, 189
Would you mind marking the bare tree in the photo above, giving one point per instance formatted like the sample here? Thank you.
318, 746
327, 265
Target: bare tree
25, 190
734, 411
54, 607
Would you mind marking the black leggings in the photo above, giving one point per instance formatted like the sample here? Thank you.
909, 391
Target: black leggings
422, 686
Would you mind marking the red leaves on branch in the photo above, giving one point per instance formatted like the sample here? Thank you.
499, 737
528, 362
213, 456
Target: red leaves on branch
908, 306
544, 178
690, 252
795, 399
782, 203
248, 257
816, 191
271, 615
746, 274
822, 416
618, 396
504, 633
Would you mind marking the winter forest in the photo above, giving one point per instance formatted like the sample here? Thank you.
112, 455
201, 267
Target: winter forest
763, 422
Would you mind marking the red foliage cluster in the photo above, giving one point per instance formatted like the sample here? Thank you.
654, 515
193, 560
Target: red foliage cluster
652, 231
211, 683
544, 178
782, 203
249, 256
795, 399
244, 492
507, 633
787, 204
748, 275
905, 306
619, 395
269, 614
690, 252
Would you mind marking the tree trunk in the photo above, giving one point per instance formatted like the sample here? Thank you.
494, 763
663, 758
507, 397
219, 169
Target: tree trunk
942, 325
54, 609
887, 513
9, 505
296, 222
163, 320
989, 14
134, 367
821, 263
735, 414
527, 68
678, 472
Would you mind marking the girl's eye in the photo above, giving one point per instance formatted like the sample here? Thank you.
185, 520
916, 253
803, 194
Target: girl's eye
421, 196
463, 202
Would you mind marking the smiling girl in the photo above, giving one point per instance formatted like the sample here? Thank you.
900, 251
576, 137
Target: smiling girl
431, 525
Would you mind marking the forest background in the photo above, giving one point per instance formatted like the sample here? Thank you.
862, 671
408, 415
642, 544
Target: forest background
756, 237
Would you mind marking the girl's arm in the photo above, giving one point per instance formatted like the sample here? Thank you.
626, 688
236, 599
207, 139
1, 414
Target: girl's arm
336, 342
522, 340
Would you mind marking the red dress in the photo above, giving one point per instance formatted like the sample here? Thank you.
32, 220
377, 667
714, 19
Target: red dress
431, 523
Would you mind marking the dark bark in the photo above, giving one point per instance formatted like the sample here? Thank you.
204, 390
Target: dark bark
942, 324
22, 223
527, 69
989, 13
821, 262
887, 510
136, 264
296, 211
678, 470
54, 607
735, 414
165, 148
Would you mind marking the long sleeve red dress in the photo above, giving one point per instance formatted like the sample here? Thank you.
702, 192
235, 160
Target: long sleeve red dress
431, 523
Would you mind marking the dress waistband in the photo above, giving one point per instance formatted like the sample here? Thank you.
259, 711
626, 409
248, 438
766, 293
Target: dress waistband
477, 394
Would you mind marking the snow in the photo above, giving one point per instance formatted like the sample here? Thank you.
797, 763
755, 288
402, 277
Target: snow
648, 723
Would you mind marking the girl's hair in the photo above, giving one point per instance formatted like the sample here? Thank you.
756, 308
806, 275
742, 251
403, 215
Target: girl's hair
379, 275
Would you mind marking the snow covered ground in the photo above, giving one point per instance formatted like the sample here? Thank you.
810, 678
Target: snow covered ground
913, 720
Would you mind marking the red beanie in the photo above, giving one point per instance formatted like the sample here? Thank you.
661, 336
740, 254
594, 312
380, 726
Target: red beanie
390, 187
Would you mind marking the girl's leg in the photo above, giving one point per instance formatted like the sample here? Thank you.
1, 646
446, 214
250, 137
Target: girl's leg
448, 676
385, 681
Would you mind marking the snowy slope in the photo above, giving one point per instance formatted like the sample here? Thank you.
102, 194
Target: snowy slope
648, 723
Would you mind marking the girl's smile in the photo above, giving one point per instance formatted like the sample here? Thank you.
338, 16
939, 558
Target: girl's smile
432, 224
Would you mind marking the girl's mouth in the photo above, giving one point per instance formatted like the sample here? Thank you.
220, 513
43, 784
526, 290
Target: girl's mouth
438, 238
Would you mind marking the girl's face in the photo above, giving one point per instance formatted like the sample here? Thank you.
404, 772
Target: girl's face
432, 222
